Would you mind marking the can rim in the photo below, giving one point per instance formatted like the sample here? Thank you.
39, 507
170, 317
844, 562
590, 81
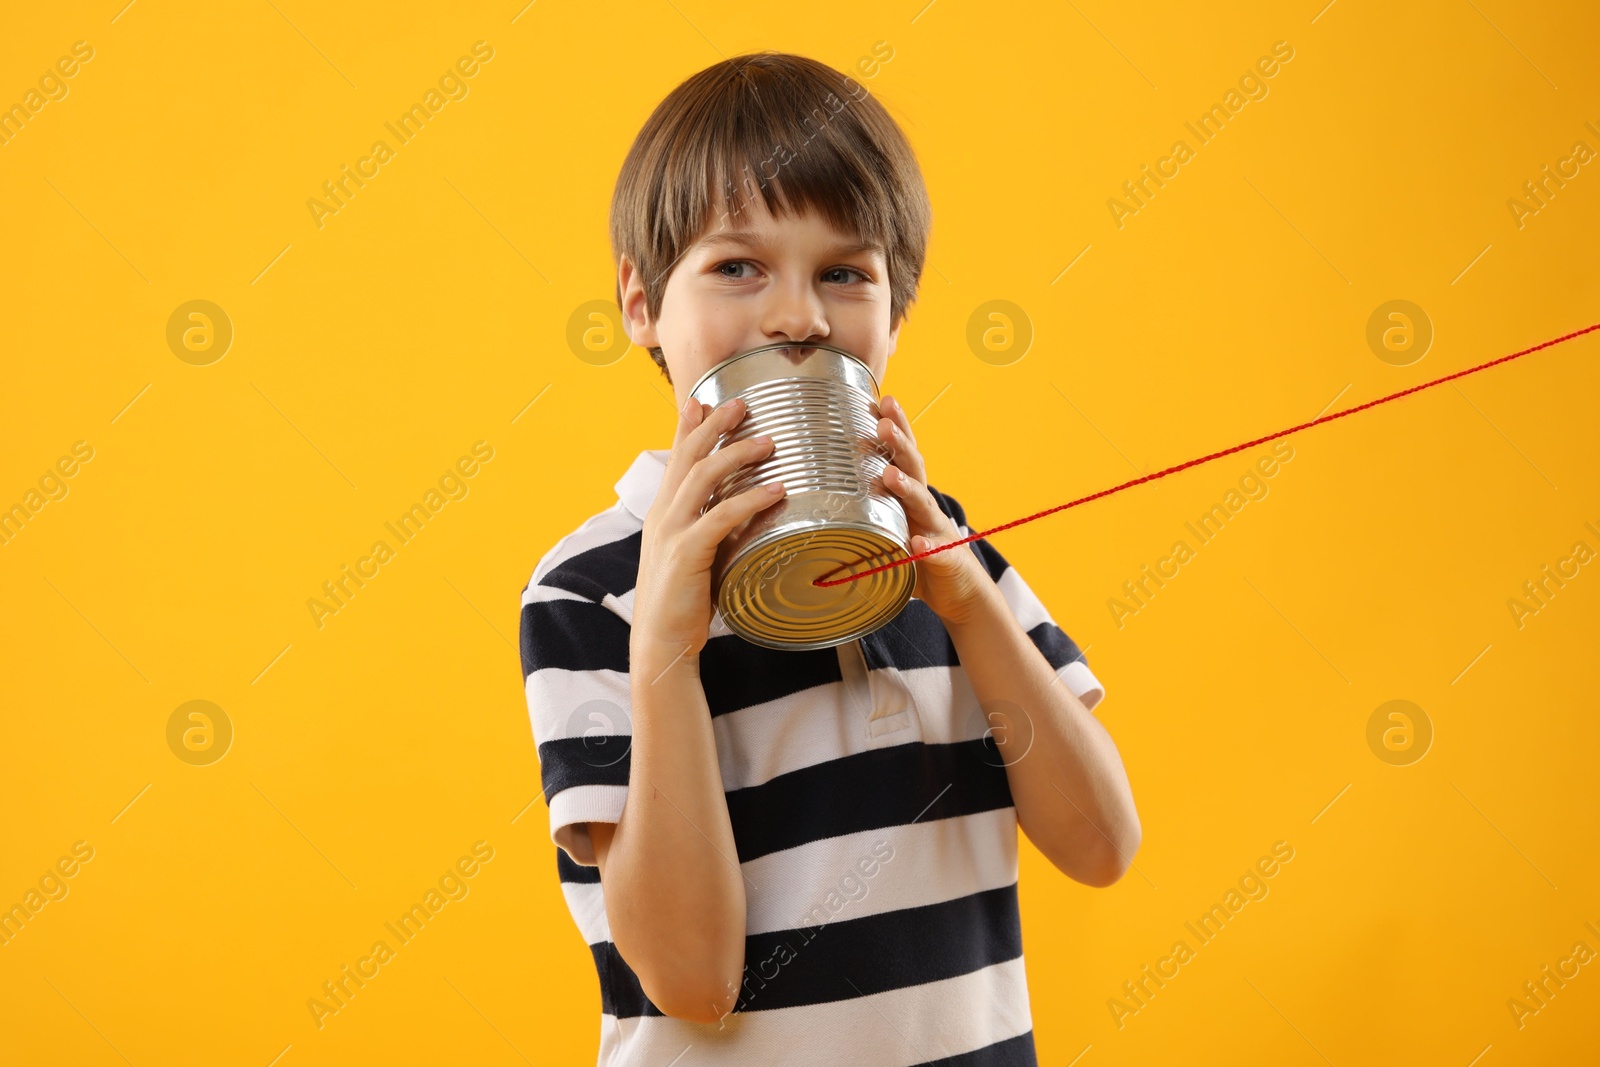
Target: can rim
876, 385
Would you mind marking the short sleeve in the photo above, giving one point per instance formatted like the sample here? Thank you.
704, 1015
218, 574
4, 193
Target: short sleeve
575, 675
1059, 650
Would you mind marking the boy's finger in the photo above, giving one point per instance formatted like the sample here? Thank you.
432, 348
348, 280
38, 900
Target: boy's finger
895, 413
923, 513
698, 441
690, 415
703, 479
900, 442
723, 519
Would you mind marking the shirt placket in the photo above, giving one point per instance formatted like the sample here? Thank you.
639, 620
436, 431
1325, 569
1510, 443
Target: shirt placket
878, 700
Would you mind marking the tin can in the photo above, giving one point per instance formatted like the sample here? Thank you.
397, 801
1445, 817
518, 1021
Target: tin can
819, 404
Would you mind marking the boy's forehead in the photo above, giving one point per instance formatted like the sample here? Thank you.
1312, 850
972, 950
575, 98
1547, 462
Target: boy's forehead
760, 229
765, 236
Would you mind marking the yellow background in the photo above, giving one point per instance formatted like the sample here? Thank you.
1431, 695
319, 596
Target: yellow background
427, 314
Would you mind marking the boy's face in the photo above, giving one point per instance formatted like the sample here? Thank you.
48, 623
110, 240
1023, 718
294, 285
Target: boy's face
753, 279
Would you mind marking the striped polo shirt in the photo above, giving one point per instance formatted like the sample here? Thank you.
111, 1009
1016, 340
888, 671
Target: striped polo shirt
874, 824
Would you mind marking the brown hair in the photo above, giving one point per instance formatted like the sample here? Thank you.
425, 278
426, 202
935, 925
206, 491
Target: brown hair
760, 116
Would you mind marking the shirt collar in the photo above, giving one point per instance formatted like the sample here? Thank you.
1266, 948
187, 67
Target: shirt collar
637, 488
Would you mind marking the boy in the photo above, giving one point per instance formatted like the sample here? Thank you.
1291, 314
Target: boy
797, 857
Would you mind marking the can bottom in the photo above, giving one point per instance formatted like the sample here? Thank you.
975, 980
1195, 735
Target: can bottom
767, 596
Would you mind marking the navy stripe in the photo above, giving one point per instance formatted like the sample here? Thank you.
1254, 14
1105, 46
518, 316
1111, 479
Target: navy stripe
914, 638
867, 791
570, 870
949, 505
572, 635
621, 994
991, 558
918, 638
609, 568
1012, 1052
849, 958
737, 674
1059, 649
864, 791
570, 761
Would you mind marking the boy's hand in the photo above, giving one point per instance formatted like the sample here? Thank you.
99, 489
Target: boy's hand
672, 603
951, 583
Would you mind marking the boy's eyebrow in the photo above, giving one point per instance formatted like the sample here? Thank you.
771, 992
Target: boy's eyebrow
753, 238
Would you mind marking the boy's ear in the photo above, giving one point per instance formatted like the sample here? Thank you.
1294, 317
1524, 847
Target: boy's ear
635, 318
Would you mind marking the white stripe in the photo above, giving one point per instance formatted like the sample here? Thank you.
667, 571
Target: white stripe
927, 863
583, 804
891, 1029
797, 730
602, 528
1020, 597
623, 605
563, 703
855, 875
1084, 685
587, 903
543, 594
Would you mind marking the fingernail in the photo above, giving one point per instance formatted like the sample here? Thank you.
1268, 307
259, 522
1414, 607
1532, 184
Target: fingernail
775, 488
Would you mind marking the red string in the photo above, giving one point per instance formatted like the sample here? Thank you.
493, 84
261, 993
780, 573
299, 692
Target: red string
1206, 459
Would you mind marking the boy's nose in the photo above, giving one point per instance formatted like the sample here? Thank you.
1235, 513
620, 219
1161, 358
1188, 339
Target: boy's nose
794, 313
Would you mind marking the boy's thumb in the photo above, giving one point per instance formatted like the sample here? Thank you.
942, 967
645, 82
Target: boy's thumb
941, 560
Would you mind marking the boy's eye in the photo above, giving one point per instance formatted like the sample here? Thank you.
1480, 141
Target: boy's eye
842, 275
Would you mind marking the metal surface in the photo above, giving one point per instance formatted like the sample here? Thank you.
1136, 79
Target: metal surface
820, 406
